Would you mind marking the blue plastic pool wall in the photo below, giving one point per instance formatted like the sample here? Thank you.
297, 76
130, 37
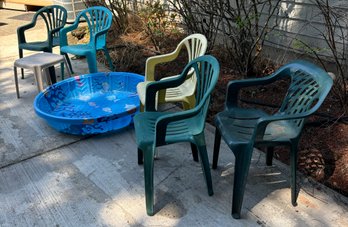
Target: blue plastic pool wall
58, 103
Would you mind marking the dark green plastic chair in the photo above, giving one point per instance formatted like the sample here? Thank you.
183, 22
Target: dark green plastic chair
154, 129
55, 17
242, 129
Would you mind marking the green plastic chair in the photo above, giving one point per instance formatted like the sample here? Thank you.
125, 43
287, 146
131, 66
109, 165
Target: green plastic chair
98, 19
196, 46
154, 129
55, 17
242, 129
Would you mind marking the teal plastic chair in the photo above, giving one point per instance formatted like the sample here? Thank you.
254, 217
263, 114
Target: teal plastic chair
242, 129
154, 129
99, 21
55, 17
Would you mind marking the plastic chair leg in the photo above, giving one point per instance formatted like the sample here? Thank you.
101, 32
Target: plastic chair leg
243, 156
217, 143
148, 176
68, 65
16, 80
269, 155
62, 67
21, 56
194, 152
140, 157
92, 63
46, 74
293, 166
52, 74
62, 70
107, 55
202, 149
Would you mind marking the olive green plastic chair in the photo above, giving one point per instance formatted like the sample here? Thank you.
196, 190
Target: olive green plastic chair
154, 129
55, 17
196, 45
242, 129
99, 20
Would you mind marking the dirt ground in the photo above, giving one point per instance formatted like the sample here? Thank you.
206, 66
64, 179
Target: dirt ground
323, 150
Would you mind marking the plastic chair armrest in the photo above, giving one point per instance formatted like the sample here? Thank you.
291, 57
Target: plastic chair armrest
22, 29
63, 31
263, 122
155, 86
162, 122
102, 32
233, 88
151, 62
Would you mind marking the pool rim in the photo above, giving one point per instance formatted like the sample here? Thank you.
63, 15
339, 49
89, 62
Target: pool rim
92, 120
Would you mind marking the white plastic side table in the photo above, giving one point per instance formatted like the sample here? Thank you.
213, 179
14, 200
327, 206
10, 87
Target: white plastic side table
39, 63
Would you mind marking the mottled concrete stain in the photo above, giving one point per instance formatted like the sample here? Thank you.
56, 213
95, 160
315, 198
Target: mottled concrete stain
5, 150
197, 199
9, 134
168, 205
83, 185
19, 139
23, 134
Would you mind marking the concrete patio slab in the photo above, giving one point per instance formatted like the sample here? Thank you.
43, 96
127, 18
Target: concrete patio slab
53, 179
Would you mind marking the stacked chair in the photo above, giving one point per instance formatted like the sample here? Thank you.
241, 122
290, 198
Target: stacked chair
154, 129
196, 46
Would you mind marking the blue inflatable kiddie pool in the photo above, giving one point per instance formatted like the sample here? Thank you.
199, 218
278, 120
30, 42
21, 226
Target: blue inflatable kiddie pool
90, 104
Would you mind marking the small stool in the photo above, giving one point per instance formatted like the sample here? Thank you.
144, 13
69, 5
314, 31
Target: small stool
38, 63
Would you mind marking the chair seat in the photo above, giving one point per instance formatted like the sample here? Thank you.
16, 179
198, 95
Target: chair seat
238, 126
176, 94
144, 124
79, 49
39, 46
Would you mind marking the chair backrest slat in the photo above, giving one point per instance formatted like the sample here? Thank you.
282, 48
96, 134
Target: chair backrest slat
54, 16
196, 45
305, 90
98, 19
206, 69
